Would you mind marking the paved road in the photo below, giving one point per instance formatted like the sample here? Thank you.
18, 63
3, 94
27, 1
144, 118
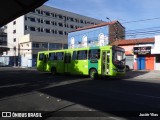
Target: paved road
29, 90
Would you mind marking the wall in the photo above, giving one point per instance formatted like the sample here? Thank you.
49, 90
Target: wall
116, 32
27, 50
19, 27
88, 38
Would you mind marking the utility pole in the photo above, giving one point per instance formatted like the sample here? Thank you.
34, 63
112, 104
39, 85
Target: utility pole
14, 48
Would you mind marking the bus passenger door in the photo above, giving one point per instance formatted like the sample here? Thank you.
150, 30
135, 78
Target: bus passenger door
67, 62
40, 62
105, 62
45, 62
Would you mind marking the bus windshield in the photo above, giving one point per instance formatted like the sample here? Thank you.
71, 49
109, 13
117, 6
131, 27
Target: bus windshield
119, 58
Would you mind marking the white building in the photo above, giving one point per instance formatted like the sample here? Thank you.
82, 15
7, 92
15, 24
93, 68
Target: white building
46, 21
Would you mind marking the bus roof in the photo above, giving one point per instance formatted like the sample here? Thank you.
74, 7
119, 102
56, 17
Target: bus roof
97, 47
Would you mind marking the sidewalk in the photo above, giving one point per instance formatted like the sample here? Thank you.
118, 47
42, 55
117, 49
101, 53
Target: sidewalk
143, 74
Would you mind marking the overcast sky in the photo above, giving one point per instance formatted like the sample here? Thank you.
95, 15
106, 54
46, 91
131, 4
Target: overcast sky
122, 10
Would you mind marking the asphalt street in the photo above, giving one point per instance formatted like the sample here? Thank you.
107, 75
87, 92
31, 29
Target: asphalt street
76, 97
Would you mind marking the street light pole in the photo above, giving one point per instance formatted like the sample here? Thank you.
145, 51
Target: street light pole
14, 55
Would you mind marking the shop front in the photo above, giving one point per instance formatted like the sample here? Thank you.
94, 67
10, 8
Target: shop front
144, 58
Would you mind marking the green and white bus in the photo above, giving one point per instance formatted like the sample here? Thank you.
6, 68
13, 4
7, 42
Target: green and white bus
93, 61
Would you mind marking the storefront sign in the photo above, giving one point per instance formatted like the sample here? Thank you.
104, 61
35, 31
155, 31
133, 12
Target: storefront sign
142, 50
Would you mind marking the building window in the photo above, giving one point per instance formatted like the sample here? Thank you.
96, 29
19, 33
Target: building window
38, 29
26, 27
55, 15
53, 31
71, 26
55, 46
81, 21
14, 40
44, 45
60, 32
42, 29
14, 22
41, 20
60, 17
76, 20
47, 13
32, 19
76, 27
47, 22
64, 17
32, 28
52, 14
35, 45
41, 12
34, 56
27, 45
38, 11
65, 33
38, 20
65, 46
72, 19
26, 17
60, 24
14, 31
47, 30
52, 22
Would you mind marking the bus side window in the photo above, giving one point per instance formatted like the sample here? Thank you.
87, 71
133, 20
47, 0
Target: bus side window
45, 58
67, 58
41, 56
60, 56
94, 54
82, 55
52, 56
74, 55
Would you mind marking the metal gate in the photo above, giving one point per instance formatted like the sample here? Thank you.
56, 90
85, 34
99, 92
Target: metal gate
130, 61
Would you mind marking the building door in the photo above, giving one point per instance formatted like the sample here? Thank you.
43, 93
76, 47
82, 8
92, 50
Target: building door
149, 62
141, 62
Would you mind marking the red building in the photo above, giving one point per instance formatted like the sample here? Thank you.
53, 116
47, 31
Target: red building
138, 53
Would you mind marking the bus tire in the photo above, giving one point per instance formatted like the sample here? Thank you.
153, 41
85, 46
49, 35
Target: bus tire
93, 74
53, 71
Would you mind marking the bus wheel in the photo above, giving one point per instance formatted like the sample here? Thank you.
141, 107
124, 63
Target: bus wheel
53, 71
93, 74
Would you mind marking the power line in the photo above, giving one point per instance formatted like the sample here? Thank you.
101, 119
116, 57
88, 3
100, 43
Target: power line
158, 18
